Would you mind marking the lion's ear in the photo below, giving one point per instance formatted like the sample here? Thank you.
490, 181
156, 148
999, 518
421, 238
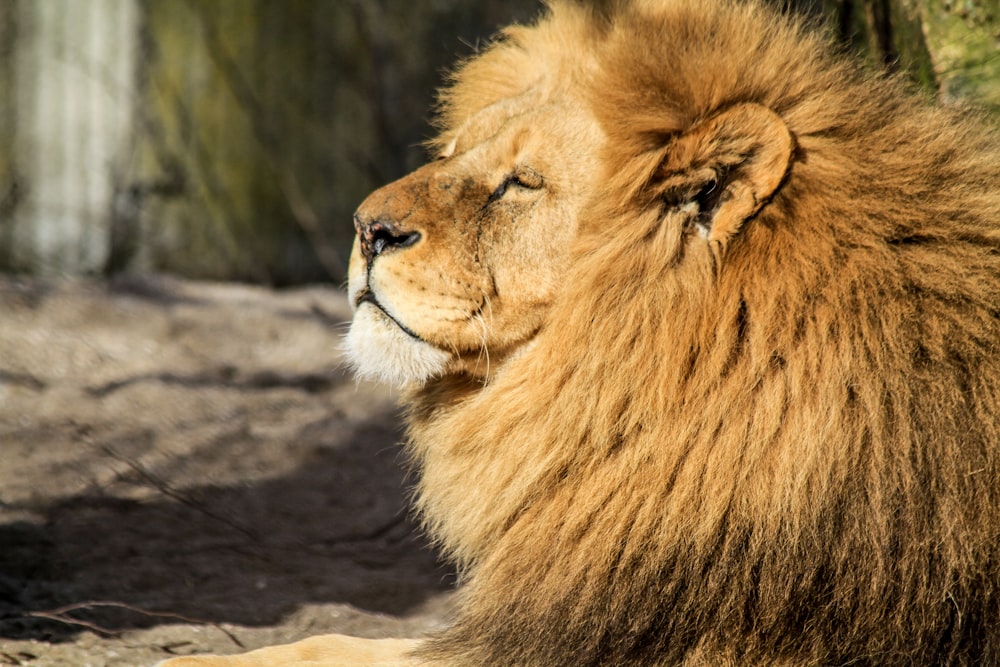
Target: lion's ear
727, 166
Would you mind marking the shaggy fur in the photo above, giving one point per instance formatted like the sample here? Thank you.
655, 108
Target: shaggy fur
700, 325
782, 452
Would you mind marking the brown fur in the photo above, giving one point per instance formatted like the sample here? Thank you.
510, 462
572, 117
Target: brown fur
716, 381
782, 451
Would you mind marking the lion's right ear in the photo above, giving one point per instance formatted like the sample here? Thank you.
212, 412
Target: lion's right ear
725, 168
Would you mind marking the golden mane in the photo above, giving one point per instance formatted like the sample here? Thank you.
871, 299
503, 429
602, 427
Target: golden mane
780, 450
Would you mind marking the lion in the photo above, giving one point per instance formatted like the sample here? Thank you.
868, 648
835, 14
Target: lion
697, 321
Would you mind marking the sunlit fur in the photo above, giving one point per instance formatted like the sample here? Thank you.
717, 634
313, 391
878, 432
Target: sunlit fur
775, 447
379, 350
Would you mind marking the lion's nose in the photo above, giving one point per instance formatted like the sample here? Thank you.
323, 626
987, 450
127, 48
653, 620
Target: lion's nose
379, 235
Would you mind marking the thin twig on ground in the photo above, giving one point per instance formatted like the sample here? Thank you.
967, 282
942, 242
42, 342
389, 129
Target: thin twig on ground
63, 615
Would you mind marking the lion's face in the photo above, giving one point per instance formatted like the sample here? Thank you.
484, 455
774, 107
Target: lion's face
455, 265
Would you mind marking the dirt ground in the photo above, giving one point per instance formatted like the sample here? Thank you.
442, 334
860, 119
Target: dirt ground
189, 467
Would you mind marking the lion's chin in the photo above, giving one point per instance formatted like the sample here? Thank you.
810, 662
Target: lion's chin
380, 350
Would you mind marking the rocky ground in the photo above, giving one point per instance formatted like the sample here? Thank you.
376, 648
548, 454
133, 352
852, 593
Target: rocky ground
189, 467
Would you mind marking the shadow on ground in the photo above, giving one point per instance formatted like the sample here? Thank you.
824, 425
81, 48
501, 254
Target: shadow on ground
335, 530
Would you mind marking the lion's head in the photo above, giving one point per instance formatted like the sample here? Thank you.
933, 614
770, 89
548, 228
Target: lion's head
455, 266
701, 335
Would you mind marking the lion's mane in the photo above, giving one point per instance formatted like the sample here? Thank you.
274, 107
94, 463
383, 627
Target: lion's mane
785, 452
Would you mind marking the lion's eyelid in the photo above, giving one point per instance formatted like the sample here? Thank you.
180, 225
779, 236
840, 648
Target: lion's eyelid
526, 178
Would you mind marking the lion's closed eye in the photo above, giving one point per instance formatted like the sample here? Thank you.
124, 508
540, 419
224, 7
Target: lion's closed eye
524, 178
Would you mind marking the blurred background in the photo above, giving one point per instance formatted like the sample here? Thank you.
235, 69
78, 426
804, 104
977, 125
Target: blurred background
232, 139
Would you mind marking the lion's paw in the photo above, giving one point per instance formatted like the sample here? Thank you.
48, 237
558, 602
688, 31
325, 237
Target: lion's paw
322, 651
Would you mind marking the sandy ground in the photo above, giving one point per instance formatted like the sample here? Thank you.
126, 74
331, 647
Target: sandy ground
188, 467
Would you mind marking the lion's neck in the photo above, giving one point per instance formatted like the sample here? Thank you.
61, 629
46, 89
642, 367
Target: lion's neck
473, 477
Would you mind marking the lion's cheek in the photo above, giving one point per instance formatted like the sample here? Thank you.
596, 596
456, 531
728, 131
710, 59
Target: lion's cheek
380, 350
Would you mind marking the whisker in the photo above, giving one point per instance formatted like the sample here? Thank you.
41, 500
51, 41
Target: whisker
486, 327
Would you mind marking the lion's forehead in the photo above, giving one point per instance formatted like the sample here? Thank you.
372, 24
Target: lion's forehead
509, 127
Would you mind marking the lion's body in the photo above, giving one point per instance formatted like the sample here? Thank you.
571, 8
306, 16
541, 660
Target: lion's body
734, 394
790, 457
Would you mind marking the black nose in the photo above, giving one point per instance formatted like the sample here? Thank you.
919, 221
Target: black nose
378, 236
